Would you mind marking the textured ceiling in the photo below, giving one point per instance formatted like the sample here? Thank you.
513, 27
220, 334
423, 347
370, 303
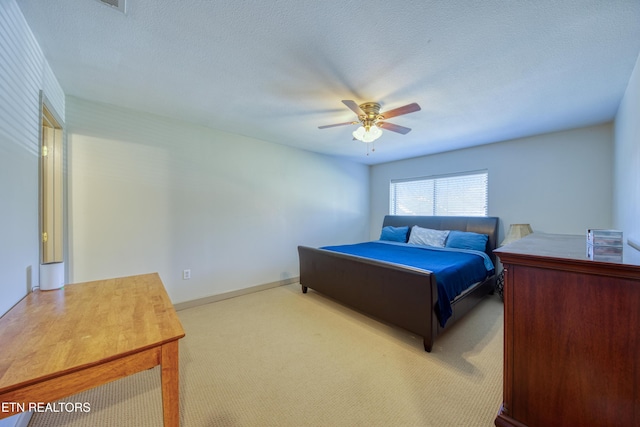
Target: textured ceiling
482, 71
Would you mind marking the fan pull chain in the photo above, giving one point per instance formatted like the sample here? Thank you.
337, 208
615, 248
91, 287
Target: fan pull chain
373, 147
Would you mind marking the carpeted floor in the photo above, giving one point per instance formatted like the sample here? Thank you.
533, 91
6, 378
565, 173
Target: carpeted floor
282, 358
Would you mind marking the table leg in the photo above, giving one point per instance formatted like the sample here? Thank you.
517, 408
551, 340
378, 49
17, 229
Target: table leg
170, 384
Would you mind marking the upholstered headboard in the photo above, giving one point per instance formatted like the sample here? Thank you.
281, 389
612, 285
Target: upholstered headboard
476, 224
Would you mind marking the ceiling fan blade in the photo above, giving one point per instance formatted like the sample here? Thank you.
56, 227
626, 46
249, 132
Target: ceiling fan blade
393, 128
409, 108
337, 124
353, 107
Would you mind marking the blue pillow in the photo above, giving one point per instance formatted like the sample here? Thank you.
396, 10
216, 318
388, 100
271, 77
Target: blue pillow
395, 234
467, 240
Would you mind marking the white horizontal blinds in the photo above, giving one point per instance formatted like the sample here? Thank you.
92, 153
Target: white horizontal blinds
412, 197
462, 194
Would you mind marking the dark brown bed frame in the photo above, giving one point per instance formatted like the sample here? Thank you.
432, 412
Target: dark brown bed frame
403, 296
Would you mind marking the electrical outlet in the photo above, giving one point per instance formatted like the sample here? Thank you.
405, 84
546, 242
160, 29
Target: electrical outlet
186, 274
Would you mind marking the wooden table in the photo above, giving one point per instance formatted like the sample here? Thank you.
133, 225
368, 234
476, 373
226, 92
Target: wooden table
57, 343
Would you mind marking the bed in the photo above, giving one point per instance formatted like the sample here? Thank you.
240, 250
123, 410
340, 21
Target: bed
402, 295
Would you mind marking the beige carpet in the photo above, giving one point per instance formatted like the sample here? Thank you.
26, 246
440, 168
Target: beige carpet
282, 358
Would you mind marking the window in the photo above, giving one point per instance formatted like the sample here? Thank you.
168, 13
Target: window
463, 194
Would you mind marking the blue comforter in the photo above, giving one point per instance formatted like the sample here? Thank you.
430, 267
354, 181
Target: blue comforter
455, 269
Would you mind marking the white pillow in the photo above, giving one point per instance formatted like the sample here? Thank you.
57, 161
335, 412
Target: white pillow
428, 236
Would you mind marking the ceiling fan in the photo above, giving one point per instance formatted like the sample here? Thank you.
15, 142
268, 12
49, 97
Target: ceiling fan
372, 120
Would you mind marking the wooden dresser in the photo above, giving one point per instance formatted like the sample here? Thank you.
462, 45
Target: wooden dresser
571, 335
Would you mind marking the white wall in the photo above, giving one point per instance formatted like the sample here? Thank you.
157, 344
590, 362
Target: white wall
627, 160
559, 182
23, 73
148, 193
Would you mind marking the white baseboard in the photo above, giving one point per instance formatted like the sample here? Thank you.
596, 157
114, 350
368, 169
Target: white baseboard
219, 297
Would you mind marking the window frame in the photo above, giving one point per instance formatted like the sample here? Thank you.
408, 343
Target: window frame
435, 180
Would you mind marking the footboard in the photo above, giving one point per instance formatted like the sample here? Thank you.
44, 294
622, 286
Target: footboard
402, 296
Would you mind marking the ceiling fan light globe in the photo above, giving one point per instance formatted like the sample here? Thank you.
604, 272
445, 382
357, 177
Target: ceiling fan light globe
359, 133
370, 135
375, 132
